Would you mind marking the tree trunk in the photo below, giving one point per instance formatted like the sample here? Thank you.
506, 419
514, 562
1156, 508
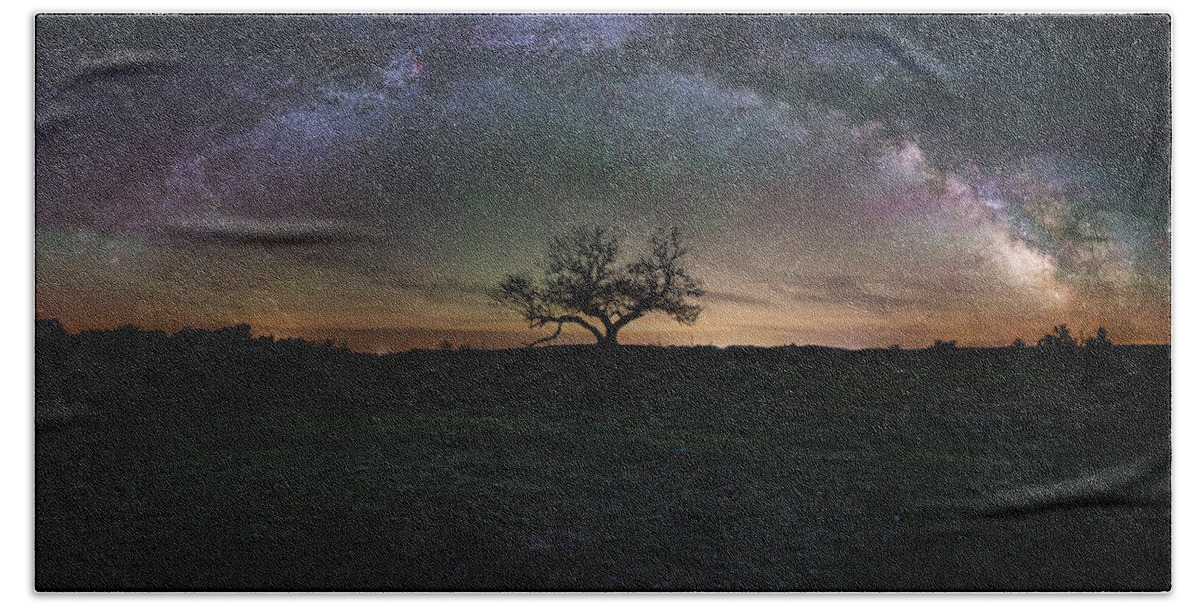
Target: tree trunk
609, 340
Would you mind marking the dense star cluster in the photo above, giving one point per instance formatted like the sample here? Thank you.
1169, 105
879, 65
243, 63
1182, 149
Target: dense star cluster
843, 180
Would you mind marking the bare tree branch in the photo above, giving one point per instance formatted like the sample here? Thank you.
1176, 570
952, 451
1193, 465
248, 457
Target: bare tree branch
545, 339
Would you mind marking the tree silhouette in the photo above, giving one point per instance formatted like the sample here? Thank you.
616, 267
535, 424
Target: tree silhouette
1061, 338
585, 284
1101, 340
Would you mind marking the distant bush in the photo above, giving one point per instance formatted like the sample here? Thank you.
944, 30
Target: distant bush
1019, 343
238, 338
1061, 338
1100, 340
944, 344
238, 332
49, 329
331, 344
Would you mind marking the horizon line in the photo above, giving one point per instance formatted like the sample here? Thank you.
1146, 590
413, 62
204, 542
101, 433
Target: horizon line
464, 347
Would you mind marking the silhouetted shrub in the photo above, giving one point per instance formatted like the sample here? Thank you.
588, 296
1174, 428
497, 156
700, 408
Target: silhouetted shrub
944, 344
1061, 338
331, 344
1019, 343
1100, 340
49, 329
241, 331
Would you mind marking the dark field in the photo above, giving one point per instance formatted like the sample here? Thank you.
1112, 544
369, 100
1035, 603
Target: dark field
212, 461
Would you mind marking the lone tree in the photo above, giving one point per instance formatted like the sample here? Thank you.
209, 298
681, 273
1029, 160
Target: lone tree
586, 285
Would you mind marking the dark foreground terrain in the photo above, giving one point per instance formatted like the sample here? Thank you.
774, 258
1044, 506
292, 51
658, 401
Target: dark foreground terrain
213, 461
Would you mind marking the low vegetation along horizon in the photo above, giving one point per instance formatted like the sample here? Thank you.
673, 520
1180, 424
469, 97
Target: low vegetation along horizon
1061, 337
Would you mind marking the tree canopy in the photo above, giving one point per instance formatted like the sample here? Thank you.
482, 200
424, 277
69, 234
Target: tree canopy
586, 284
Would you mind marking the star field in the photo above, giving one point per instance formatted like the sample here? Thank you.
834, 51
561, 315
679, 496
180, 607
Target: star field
852, 181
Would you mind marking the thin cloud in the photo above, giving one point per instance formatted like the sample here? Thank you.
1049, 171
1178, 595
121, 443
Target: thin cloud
252, 232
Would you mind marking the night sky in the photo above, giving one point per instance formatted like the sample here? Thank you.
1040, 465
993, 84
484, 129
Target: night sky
853, 181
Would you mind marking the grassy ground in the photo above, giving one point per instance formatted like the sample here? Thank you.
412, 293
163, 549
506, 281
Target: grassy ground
672, 469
